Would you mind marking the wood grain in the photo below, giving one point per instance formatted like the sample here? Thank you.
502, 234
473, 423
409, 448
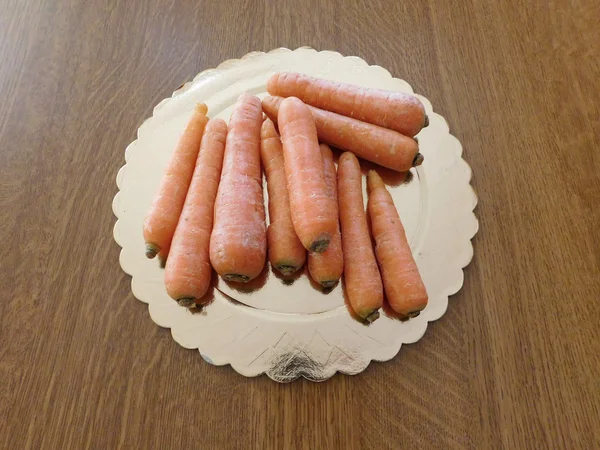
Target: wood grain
513, 364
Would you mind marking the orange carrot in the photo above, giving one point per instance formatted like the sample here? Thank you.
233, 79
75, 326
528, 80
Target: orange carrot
397, 111
326, 268
361, 275
188, 270
238, 243
286, 252
202, 108
313, 211
404, 288
385, 147
161, 221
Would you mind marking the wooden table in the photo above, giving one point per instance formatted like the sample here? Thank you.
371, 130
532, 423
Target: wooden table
514, 363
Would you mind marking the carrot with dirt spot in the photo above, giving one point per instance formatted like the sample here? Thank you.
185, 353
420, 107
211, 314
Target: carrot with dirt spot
313, 211
326, 268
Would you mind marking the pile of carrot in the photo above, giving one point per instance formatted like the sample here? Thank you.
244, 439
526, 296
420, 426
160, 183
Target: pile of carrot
209, 213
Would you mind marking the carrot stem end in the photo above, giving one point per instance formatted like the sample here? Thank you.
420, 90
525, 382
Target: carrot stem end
151, 250
328, 284
196, 309
409, 315
372, 317
286, 269
186, 302
236, 277
419, 158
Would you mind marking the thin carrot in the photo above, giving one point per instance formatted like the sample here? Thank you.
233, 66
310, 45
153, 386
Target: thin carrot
361, 275
326, 268
404, 288
385, 147
313, 211
161, 221
238, 243
397, 111
286, 252
188, 270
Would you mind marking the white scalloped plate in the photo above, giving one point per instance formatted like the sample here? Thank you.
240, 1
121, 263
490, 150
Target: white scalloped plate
283, 330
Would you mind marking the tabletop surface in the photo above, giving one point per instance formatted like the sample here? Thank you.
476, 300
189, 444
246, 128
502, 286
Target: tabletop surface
515, 361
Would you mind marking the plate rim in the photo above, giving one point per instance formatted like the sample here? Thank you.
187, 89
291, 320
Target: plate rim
228, 64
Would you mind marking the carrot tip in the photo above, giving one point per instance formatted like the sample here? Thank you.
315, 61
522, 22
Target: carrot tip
372, 317
186, 302
162, 262
328, 284
152, 250
426, 122
327, 290
419, 158
196, 309
202, 108
286, 269
410, 315
236, 277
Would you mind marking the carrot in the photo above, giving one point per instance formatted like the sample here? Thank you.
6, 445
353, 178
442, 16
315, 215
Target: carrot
313, 211
397, 111
238, 243
404, 288
161, 221
361, 275
326, 268
286, 252
188, 270
202, 108
385, 147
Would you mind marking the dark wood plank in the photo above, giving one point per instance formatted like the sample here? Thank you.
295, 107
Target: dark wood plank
512, 364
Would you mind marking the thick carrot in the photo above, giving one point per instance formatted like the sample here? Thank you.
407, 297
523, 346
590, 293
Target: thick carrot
397, 111
188, 270
286, 252
161, 221
404, 288
361, 275
326, 268
385, 147
238, 243
313, 211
